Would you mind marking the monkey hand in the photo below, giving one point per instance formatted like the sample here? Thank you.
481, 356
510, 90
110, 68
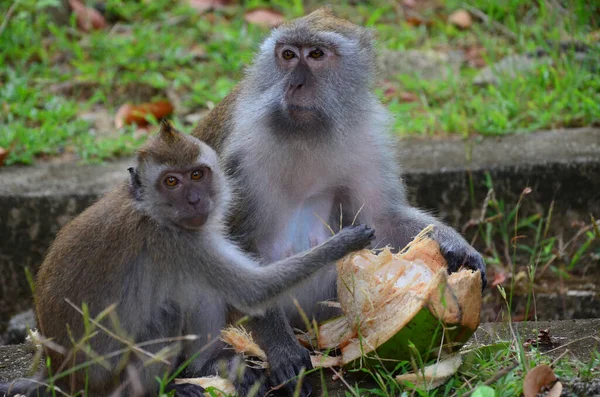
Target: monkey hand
350, 239
185, 390
458, 252
285, 366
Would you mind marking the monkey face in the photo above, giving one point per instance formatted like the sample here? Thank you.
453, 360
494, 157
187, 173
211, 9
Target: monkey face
186, 196
314, 71
304, 66
178, 181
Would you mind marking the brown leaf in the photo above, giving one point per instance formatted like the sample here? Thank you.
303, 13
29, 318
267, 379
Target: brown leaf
3, 154
130, 114
389, 89
198, 53
87, 18
499, 278
264, 17
461, 19
208, 5
418, 21
474, 57
406, 96
538, 378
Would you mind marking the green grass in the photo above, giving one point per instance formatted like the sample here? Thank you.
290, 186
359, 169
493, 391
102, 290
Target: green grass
148, 53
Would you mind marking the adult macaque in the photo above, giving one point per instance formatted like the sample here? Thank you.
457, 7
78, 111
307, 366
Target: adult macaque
156, 247
307, 144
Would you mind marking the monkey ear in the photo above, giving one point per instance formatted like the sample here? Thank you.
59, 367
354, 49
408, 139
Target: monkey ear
167, 131
135, 184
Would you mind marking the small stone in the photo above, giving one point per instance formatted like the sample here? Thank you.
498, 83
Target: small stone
18, 326
425, 64
510, 66
461, 19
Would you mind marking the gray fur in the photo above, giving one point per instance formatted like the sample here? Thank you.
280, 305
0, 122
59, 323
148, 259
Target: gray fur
291, 177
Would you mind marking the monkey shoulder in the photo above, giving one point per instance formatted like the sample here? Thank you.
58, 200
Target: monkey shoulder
216, 127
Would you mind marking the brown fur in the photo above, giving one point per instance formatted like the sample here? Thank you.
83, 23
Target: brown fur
73, 268
216, 126
160, 149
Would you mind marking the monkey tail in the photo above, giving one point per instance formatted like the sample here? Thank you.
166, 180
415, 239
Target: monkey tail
23, 387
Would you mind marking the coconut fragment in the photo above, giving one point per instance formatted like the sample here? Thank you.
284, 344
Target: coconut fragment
222, 387
435, 375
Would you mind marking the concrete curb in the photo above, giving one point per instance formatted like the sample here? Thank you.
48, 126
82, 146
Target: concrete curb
562, 165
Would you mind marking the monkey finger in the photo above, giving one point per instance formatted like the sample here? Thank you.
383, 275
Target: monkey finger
468, 258
358, 237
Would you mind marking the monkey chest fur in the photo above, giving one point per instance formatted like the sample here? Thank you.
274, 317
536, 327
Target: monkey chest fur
298, 195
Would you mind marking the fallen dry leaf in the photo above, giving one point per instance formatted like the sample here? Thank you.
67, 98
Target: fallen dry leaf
406, 96
433, 375
264, 17
208, 5
538, 378
198, 53
389, 89
461, 19
3, 154
474, 57
87, 18
130, 114
418, 21
499, 278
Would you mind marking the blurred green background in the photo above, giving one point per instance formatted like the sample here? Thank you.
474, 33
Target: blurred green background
447, 68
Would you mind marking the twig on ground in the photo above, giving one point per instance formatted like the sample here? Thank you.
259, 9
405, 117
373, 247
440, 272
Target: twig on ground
8, 15
497, 376
486, 19
557, 359
340, 377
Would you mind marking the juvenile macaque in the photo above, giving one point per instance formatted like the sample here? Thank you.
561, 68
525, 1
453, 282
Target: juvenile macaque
156, 248
307, 144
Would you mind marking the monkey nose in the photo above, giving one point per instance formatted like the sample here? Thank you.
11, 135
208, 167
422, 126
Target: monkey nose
194, 201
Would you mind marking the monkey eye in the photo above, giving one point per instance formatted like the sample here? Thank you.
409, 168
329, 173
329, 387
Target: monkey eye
288, 54
197, 175
316, 53
171, 181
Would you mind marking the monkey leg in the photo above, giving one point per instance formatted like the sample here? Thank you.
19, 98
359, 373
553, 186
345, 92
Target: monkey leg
210, 355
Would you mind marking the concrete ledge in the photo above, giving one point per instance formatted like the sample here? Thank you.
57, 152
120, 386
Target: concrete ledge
559, 165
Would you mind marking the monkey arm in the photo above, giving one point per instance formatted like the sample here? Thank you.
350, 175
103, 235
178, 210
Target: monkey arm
250, 287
